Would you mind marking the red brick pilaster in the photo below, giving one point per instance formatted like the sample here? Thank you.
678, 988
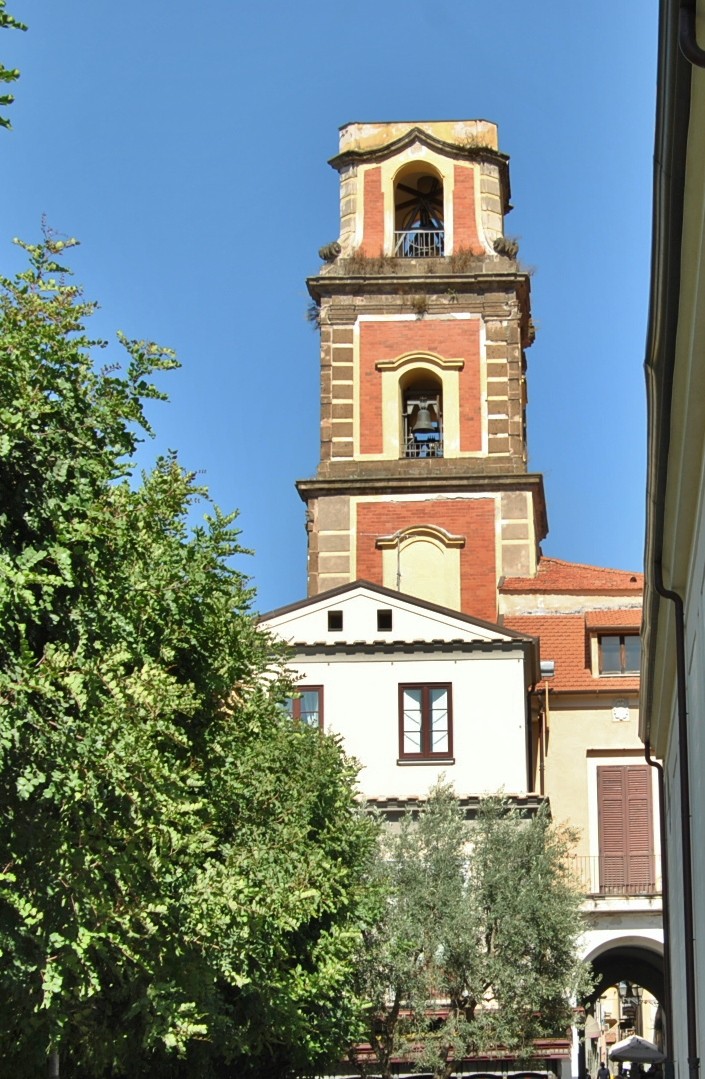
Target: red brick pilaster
472, 518
465, 235
373, 214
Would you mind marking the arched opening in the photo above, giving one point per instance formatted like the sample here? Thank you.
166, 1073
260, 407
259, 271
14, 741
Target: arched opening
418, 213
421, 415
626, 999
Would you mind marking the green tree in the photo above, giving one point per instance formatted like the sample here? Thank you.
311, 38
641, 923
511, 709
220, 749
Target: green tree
476, 942
8, 75
182, 871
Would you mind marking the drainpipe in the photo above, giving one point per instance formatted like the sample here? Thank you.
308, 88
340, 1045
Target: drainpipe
542, 746
547, 670
687, 855
678, 50
687, 40
665, 902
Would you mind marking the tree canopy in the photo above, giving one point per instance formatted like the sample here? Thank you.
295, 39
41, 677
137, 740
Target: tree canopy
476, 943
8, 75
182, 872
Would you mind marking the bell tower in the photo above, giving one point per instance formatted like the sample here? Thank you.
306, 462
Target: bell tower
422, 484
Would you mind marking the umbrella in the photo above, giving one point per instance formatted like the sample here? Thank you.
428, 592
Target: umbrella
637, 1050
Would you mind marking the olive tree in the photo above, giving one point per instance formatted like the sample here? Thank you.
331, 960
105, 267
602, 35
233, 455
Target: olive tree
475, 946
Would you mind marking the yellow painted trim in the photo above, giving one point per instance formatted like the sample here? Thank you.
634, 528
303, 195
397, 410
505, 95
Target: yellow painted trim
479, 225
408, 358
400, 568
391, 402
431, 532
417, 154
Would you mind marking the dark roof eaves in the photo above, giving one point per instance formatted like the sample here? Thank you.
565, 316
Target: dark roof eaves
382, 647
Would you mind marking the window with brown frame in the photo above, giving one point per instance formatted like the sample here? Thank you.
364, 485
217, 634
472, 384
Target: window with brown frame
619, 653
307, 706
425, 721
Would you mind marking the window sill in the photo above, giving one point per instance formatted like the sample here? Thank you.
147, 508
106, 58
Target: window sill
403, 761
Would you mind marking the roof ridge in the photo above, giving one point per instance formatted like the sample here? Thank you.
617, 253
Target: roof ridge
585, 565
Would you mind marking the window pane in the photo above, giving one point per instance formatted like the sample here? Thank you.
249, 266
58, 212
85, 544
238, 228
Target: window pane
610, 659
632, 652
309, 708
412, 720
439, 720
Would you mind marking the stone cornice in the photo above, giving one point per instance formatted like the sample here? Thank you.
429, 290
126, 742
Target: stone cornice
472, 151
398, 276
361, 484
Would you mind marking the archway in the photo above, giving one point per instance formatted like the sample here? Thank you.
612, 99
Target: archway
626, 998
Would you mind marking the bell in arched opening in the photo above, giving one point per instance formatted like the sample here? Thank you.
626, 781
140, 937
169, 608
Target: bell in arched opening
418, 213
424, 423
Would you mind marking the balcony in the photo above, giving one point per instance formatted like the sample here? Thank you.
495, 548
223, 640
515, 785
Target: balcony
419, 243
613, 875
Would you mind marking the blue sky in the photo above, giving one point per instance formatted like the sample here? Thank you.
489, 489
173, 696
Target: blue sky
186, 146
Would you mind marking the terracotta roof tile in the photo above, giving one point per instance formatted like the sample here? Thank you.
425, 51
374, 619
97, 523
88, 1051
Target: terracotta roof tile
555, 575
564, 639
624, 619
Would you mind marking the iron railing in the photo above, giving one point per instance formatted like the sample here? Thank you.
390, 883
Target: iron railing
424, 449
419, 243
611, 874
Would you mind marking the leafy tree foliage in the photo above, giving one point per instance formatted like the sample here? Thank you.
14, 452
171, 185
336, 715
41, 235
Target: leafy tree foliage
181, 880
476, 944
8, 75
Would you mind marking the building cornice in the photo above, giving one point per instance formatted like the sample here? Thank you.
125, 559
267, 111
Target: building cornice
360, 483
393, 809
383, 648
395, 276
469, 151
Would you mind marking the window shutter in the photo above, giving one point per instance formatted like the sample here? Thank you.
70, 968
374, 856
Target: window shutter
612, 838
625, 829
639, 819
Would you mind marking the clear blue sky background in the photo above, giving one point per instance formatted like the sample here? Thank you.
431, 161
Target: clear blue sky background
186, 146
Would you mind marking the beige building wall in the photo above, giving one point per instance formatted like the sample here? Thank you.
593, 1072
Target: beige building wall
582, 735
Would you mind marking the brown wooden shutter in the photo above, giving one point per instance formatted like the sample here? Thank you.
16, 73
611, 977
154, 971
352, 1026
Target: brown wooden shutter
612, 838
639, 822
625, 829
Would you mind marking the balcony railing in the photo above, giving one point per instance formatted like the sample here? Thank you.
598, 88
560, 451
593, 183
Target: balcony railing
419, 243
424, 449
616, 875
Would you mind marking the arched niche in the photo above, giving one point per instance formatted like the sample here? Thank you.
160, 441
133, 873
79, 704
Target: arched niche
423, 561
419, 212
408, 381
421, 414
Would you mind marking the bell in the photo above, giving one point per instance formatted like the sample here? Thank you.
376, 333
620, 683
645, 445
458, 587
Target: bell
423, 424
